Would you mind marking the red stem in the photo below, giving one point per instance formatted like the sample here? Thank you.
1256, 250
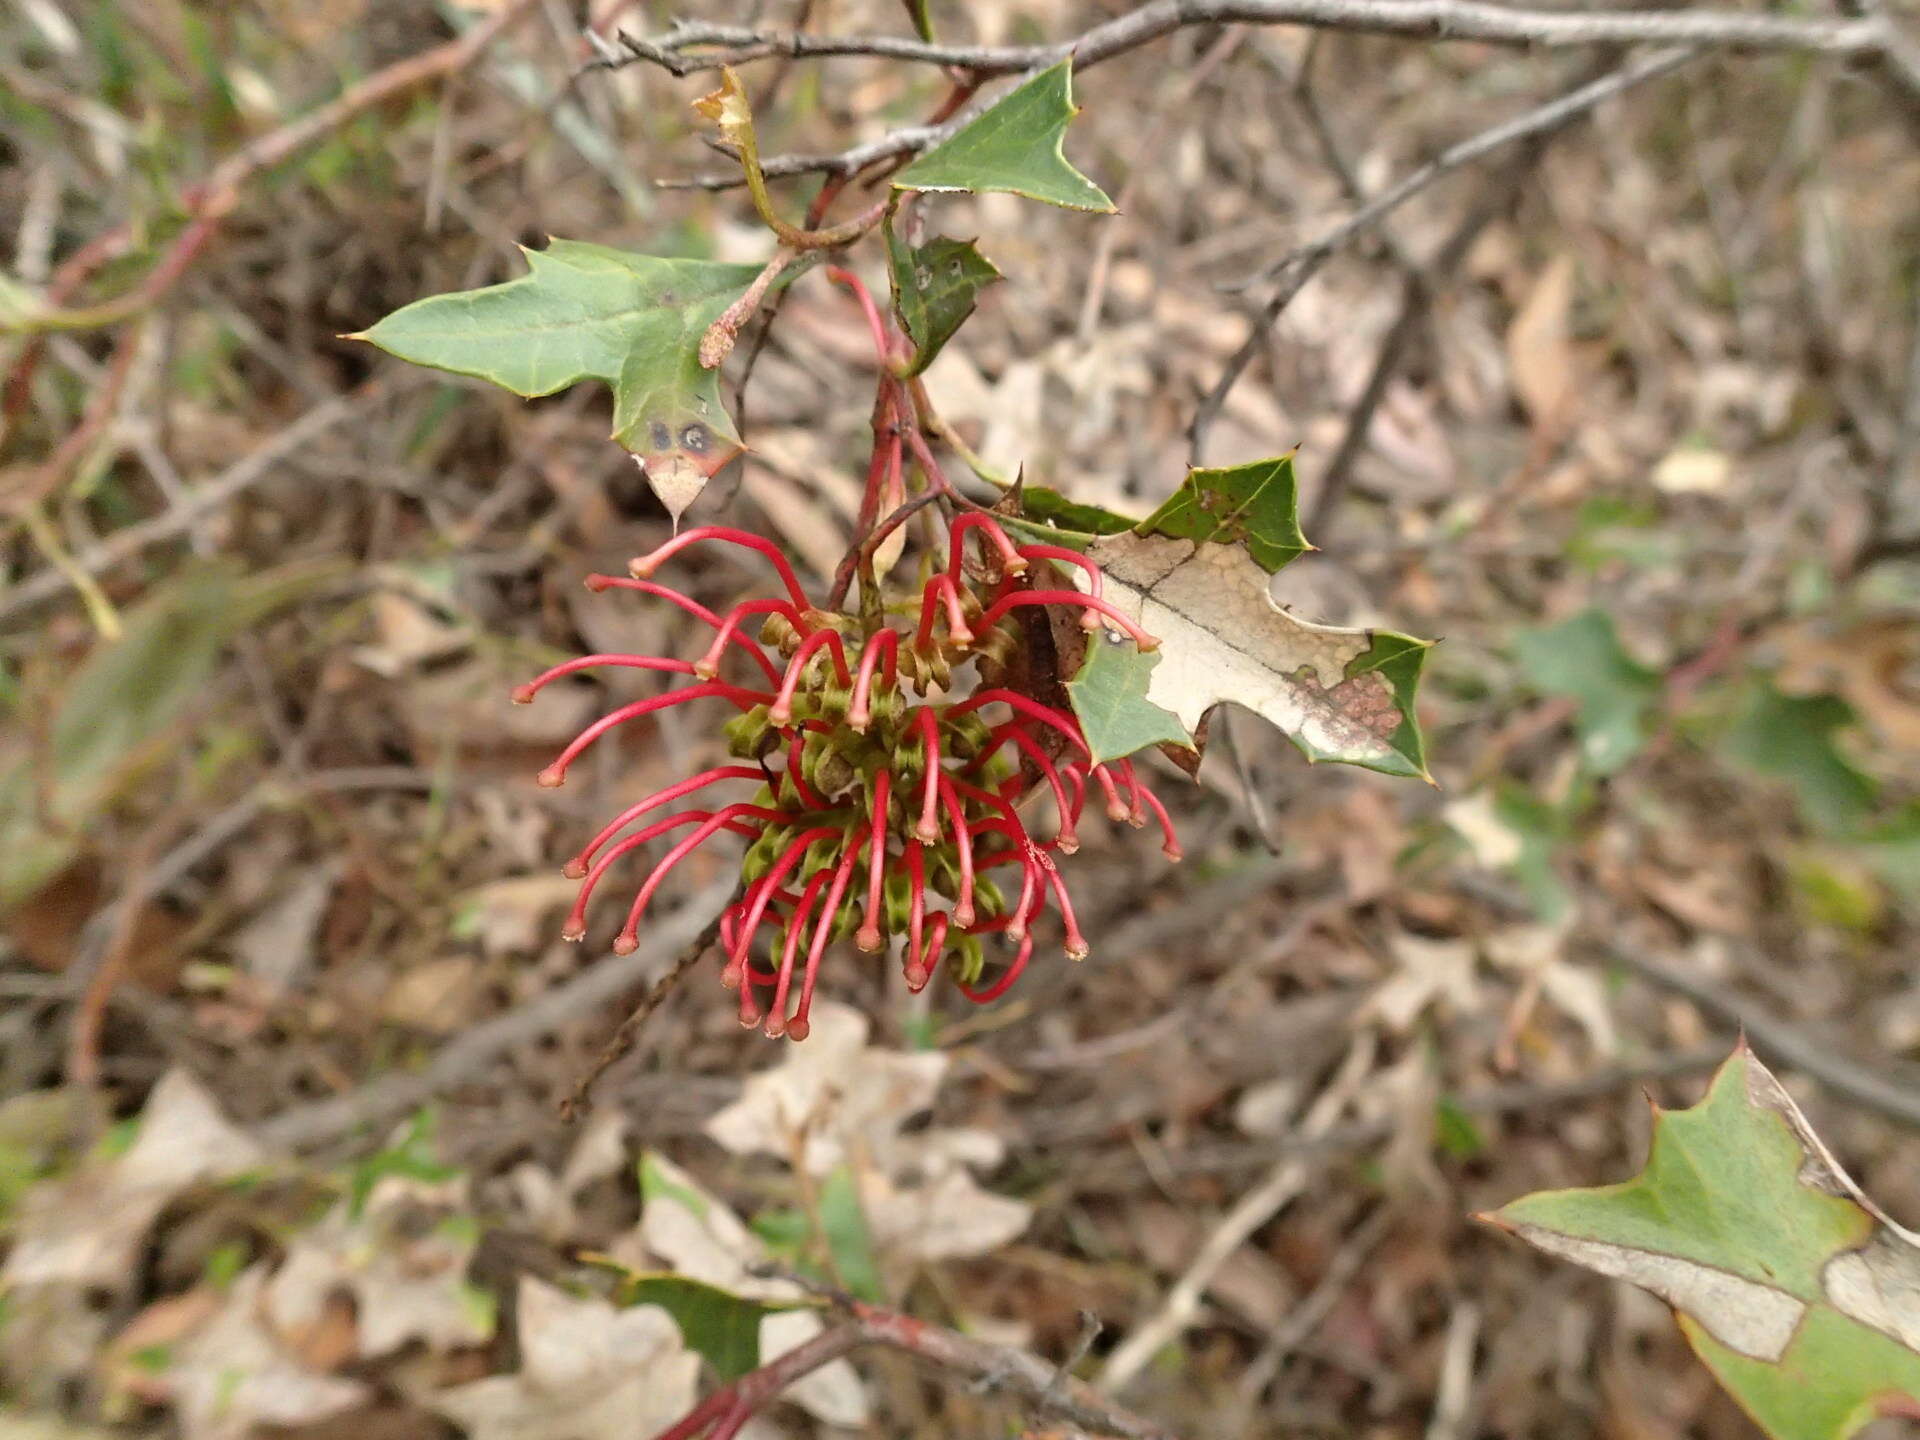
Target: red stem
1068, 597
577, 867
941, 588
799, 1026
867, 937
628, 940
729, 631
963, 848
1011, 561
642, 567
598, 583
928, 724
859, 713
555, 774
1026, 705
782, 710
875, 326
523, 694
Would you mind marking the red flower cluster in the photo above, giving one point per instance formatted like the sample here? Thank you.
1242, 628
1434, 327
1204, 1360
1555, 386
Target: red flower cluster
870, 806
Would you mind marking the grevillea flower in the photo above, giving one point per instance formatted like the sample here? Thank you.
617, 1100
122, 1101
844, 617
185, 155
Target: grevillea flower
872, 813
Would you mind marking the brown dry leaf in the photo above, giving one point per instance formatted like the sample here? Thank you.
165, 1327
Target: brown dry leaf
1873, 665
86, 1230
1540, 350
437, 997
588, 1371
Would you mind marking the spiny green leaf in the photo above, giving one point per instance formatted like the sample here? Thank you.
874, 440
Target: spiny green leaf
934, 288
1110, 699
1256, 505
1582, 659
722, 1326
1014, 147
1792, 737
588, 312
1800, 1295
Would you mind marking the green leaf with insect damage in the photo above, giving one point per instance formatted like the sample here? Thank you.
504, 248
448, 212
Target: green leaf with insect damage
1800, 1295
934, 289
1194, 575
588, 312
1016, 147
1110, 698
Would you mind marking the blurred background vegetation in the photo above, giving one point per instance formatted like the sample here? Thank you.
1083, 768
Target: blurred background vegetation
1647, 458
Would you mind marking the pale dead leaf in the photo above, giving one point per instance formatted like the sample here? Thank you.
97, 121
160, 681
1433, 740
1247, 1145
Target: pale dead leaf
1495, 844
847, 1099
1428, 973
404, 1267
1692, 471
276, 947
588, 1371
86, 1230
510, 917
1539, 953
233, 1376
1741, 1314
436, 997
949, 1217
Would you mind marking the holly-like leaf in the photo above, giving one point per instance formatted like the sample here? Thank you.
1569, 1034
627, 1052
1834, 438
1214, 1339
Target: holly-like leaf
1582, 659
1800, 1295
1792, 737
718, 1324
1195, 573
1110, 698
934, 289
1015, 146
587, 312
1052, 517
1255, 505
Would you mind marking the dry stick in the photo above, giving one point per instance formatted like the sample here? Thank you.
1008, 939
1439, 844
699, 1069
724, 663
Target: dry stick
1284, 1183
1297, 268
577, 1102
1418, 286
385, 1099
1903, 460
1016, 1373
1783, 1041
1872, 38
126, 543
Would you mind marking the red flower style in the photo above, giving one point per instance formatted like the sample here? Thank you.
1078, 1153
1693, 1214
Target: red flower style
875, 815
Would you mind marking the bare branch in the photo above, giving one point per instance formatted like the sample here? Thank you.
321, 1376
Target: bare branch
1294, 270
1044, 1388
320, 1123
688, 48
